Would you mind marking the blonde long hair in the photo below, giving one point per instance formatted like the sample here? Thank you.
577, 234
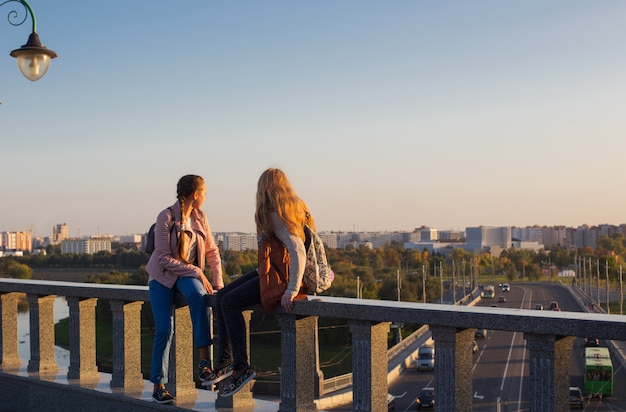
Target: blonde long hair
275, 194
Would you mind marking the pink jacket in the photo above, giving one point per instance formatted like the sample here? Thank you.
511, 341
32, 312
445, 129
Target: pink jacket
165, 266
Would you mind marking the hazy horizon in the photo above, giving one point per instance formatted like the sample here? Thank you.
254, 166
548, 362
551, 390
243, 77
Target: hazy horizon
326, 230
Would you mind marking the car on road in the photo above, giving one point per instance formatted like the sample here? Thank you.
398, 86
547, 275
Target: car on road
554, 304
592, 342
480, 333
576, 397
474, 346
506, 287
426, 399
501, 299
391, 402
426, 358
538, 306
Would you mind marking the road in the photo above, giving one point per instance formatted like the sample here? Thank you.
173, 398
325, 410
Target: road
500, 367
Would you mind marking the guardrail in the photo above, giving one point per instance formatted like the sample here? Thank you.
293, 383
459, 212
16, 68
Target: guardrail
549, 337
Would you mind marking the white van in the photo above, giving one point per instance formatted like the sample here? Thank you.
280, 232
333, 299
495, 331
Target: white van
426, 358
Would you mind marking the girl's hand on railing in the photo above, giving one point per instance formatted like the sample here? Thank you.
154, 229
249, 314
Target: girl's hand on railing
206, 284
287, 302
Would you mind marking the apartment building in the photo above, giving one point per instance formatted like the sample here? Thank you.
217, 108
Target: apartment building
16, 241
89, 245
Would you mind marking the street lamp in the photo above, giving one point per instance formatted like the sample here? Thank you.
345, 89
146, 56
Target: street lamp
364, 284
33, 59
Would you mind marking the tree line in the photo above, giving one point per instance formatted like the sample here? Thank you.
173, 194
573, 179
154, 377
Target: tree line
374, 273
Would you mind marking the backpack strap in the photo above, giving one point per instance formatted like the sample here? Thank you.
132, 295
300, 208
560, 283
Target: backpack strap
174, 226
307, 236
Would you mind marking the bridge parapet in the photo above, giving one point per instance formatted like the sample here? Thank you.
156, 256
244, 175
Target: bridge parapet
549, 336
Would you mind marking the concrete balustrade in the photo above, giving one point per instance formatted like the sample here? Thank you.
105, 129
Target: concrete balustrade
549, 337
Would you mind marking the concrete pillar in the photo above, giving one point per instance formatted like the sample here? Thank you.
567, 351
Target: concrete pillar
297, 369
181, 367
549, 371
41, 311
318, 375
82, 339
126, 345
369, 365
243, 398
9, 352
453, 368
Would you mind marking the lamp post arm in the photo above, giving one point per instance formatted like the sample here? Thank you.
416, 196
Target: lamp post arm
13, 14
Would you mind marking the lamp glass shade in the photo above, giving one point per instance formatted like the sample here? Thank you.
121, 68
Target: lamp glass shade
33, 65
33, 58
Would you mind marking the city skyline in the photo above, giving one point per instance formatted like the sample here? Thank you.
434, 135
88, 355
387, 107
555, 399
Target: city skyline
62, 231
386, 116
472, 239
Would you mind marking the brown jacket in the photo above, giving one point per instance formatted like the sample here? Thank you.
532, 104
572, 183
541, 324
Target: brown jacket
274, 274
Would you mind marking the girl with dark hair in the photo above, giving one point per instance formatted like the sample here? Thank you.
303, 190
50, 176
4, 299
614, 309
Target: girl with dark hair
183, 243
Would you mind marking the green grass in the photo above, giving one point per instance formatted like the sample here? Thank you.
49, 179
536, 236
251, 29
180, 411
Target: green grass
266, 360
265, 357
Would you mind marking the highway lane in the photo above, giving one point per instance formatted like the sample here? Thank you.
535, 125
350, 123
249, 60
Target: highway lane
500, 370
512, 367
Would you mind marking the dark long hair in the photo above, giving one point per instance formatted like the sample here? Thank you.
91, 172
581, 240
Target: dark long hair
186, 187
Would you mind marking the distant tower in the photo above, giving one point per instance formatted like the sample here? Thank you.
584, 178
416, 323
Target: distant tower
59, 233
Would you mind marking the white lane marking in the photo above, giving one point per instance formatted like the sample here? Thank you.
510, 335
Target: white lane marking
519, 398
508, 360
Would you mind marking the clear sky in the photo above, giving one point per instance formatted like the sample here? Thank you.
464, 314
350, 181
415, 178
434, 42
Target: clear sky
386, 115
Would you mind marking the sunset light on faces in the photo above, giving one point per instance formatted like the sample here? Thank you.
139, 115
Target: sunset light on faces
199, 197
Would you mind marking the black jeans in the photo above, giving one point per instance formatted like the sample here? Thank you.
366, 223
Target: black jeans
231, 328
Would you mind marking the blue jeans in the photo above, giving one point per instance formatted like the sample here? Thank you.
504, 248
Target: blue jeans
162, 302
231, 328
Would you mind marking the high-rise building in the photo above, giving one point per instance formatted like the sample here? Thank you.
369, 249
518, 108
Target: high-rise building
59, 233
16, 241
484, 237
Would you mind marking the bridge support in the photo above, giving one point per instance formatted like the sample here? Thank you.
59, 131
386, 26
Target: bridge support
549, 371
41, 312
126, 345
9, 353
297, 363
82, 339
453, 368
181, 370
369, 368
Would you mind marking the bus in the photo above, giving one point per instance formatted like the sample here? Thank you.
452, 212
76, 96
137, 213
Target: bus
598, 372
489, 292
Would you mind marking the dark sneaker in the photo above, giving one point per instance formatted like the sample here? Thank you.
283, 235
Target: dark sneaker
161, 395
233, 385
205, 370
219, 375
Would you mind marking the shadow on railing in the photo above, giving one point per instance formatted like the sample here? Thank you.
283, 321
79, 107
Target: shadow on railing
549, 337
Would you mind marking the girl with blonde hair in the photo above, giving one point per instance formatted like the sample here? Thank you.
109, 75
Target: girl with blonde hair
280, 214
